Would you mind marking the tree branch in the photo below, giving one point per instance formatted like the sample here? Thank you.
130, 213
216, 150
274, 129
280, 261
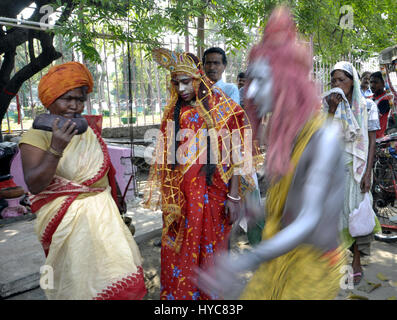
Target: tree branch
31, 47
7, 66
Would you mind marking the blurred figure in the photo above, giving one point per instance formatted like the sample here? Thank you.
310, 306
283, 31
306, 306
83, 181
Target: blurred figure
215, 62
359, 121
240, 80
364, 87
253, 227
240, 83
299, 256
382, 100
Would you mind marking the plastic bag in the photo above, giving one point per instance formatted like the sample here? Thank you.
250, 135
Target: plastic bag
362, 220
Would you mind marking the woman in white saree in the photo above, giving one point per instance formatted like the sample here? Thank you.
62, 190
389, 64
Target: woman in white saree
359, 121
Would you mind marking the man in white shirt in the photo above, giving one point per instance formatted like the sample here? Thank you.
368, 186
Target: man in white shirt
215, 62
365, 89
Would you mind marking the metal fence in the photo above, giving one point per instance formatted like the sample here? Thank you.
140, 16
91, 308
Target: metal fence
149, 83
322, 71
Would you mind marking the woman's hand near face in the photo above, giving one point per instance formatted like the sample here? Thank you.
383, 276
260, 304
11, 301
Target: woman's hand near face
39, 166
333, 101
61, 137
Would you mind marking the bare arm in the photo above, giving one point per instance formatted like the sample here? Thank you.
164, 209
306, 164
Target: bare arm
223, 276
366, 180
326, 154
233, 208
39, 166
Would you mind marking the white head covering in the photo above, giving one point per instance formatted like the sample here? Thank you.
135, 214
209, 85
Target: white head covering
354, 120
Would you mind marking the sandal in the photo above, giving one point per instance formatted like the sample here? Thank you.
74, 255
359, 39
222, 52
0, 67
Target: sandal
357, 277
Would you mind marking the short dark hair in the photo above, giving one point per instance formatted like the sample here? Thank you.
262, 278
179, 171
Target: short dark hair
378, 75
216, 50
241, 75
365, 73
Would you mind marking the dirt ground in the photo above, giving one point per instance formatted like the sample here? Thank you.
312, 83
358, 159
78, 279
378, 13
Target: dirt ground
151, 263
379, 281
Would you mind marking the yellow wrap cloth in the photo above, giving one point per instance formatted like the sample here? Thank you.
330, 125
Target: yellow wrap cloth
305, 272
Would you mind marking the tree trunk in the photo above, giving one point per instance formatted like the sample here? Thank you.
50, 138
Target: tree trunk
200, 36
11, 38
9, 87
187, 44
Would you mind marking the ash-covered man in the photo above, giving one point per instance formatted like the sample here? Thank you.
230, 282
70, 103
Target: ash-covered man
299, 256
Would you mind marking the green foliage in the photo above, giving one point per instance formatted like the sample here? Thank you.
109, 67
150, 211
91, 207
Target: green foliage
374, 26
235, 22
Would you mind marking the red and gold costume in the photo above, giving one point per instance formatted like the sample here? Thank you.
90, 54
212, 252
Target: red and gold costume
195, 226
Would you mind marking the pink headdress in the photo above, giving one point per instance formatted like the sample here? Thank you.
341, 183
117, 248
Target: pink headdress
294, 95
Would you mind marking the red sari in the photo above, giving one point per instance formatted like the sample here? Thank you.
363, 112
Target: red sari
195, 226
206, 228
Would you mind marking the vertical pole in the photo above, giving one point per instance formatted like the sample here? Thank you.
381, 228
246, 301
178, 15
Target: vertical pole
89, 105
156, 74
134, 81
194, 44
125, 77
187, 45
98, 76
117, 83
200, 36
132, 155
8, 122
150, 90
61, 49
20, 106
107, 82
29, 84
142, 88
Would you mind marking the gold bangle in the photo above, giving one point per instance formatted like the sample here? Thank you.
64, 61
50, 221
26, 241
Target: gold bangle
54, 152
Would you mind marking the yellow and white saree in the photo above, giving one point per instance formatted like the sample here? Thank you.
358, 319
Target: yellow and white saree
89, 248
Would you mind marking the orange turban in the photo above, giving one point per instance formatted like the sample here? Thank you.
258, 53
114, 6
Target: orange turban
63, 78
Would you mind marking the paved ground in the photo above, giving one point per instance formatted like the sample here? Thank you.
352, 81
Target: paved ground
21, 256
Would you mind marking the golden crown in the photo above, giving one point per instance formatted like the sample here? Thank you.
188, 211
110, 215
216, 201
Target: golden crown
176, 62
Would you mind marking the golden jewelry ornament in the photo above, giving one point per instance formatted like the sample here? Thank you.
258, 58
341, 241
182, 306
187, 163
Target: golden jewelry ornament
176, 62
